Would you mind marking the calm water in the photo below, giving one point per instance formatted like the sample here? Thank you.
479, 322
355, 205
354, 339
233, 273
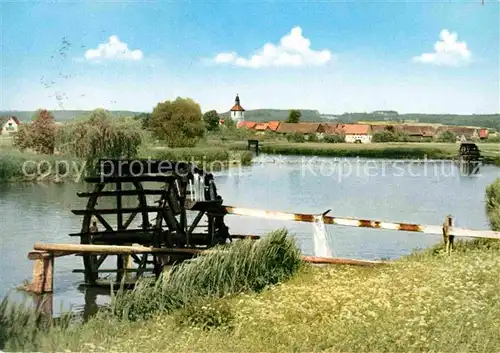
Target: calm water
384, 190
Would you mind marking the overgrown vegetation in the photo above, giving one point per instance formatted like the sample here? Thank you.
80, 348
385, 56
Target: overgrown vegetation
493, 204
100, 136
186, 291
178, 123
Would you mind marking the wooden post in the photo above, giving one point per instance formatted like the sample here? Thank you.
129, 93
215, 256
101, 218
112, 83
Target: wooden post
448, 239
43, 274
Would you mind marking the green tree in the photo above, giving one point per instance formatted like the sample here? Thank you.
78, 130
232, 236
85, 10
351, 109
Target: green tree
100, 135
384, 136
447, 136
145, 119
229, 123
179, 123
211, 119
294, 116
40, 135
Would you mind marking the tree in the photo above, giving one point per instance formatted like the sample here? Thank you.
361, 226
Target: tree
40, 135
294, 116
384, 136
145, 119
179, 123
100, 135
229, 123
211, 119
447, 136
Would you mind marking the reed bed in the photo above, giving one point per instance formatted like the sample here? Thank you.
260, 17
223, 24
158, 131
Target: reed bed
244, 266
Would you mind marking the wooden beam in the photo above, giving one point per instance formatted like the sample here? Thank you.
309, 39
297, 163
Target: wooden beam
130, 179
341, 261
149, 209
123, 193
111, 249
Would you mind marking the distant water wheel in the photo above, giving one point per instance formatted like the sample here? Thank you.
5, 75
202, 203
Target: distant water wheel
184, 198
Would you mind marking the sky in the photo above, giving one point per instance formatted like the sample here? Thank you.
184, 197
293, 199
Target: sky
331, 56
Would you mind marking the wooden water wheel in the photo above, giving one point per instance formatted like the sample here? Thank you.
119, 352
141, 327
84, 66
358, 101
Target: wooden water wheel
183, 195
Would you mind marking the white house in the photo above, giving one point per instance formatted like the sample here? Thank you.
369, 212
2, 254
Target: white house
357, 133
237, 111
9, 125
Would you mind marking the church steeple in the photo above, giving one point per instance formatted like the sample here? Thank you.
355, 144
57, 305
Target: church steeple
237, 111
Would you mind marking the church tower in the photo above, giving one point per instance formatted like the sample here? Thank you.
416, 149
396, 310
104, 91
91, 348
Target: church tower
237, 111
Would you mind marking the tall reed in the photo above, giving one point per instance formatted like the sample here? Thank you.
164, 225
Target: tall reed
242, 266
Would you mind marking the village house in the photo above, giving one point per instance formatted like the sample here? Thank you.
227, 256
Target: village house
463, 133
417, 132
301, 128
357, 133
9, 125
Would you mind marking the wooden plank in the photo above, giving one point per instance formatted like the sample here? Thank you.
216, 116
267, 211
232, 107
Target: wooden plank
123, 193
341, 261
149, 209
114, 270
111, 249
130, 179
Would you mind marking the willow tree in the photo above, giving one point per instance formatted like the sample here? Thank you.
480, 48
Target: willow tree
179, 123
100, 135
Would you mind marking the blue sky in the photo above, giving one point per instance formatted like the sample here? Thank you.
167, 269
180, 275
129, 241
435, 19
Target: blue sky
335, 56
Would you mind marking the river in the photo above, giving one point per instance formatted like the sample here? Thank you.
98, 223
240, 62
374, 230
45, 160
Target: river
371, 189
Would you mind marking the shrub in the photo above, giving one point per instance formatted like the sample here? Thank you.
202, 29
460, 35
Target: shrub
295, 137
493, 204
384, 136
446, 136
336, 138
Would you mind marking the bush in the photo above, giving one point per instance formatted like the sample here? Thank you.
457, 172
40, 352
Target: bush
295, 137
384, 136
312, 138
446, 136
493, 204
179, 123
336, 138
245, 265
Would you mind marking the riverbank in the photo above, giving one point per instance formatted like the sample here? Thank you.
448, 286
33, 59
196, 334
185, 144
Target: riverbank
261, 301
400, 150
18, 166
424, 302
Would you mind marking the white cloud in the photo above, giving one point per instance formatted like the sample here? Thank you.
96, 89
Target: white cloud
447, 51
294, 50
114, 49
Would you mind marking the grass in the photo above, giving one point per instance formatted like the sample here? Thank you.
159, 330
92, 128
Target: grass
207, 158
25, 166
397, 150
244, 267
423, 302
493, 204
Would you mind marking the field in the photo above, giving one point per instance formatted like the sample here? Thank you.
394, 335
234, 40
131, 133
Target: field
396, 150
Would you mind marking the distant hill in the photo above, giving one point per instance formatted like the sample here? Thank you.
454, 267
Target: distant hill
481, 120
264, 115
62, 115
